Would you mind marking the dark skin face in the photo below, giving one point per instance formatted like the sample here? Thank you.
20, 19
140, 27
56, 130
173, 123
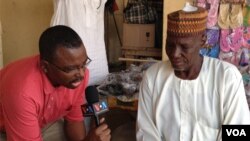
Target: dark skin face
73, 61
183, 54
70, 60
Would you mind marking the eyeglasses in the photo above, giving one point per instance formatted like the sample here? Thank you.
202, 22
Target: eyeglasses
74, 69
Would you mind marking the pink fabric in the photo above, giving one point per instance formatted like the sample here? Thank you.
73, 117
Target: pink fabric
231, 57
28, 101
231, 40
225, 41
212, 6
246, 37
237, 38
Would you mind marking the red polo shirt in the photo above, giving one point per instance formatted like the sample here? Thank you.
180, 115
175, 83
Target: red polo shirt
28, 101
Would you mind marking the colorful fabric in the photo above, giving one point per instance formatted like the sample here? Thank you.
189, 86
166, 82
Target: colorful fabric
246, 15
237, 38
212, 36
245, 71
225, 41
212, 6
231, 40
230, 16
211, 52
236, 16
231, 57
246, 37
244, 57
233, 1
223, 18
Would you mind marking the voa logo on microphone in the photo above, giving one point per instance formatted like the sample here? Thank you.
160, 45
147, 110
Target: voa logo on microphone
100, 106
239, 132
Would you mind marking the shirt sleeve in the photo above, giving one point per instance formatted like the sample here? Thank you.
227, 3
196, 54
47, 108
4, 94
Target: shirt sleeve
235, 107
75, 113
20, 118
146, 129
234, 104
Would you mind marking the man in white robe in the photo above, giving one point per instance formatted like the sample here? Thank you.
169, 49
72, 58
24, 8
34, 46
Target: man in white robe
189, 97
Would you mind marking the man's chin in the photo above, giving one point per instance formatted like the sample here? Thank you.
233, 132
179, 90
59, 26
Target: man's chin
70, 86
179, 69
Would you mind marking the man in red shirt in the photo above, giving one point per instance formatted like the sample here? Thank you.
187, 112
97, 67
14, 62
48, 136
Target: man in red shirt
38, 91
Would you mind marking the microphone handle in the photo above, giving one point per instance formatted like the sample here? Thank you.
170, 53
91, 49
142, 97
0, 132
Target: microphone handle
97, 121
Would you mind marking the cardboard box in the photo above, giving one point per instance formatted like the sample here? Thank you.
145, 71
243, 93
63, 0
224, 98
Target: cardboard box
138, 35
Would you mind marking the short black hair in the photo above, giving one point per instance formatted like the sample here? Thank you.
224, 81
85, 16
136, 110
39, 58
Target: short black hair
57, 36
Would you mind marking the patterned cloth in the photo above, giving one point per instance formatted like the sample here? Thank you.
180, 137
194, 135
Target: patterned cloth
185, 24
139, 12
211, 52
246, 15
212, 6
233, 1
157, 4
212, 36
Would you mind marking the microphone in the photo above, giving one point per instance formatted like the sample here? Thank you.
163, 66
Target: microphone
94, 107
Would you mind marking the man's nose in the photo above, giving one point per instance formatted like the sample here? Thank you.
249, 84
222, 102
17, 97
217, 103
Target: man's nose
176, 51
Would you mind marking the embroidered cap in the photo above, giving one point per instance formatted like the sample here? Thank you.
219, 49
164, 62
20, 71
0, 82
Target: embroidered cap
184, 24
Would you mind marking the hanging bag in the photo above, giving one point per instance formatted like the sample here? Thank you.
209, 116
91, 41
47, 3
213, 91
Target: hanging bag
138, 12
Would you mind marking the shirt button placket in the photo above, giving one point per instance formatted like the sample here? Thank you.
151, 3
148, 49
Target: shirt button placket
50, 103
182, 112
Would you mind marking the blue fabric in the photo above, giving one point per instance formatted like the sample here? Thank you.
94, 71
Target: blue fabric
211, 52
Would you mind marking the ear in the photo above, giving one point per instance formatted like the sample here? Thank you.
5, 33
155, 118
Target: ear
44, 65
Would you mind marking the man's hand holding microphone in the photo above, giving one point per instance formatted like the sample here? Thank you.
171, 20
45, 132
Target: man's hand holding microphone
100, 130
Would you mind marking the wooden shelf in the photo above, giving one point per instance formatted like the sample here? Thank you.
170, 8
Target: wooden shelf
139, 54
136, 52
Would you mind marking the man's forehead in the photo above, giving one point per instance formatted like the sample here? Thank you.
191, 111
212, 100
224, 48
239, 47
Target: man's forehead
69, 53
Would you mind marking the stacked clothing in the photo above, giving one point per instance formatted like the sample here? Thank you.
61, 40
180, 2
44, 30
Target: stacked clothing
228, 34
125, 84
